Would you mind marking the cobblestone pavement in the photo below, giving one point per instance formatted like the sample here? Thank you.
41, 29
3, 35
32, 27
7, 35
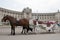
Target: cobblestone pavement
5, 35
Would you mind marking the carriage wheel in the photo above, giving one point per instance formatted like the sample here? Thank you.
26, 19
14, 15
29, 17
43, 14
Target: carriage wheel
49, 30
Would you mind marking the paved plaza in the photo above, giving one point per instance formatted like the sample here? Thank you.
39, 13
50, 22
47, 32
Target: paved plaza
5, 35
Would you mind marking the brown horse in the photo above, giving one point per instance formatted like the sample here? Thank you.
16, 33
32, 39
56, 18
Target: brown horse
14, 22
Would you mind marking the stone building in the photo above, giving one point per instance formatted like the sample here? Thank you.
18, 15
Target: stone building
27, 13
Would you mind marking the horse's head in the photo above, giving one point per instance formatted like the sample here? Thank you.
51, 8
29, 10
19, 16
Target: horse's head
4, 18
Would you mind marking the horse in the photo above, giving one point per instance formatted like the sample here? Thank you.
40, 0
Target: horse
14, 22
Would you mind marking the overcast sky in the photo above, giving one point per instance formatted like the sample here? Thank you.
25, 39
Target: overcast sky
40, 6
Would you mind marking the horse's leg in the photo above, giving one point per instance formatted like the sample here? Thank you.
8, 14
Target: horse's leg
22, 30
25, 29
29, 29
12, 30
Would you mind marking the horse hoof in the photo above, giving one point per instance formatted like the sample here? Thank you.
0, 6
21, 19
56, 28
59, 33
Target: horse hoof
13, 34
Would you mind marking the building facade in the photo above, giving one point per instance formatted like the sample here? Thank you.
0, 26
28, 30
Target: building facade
27, 13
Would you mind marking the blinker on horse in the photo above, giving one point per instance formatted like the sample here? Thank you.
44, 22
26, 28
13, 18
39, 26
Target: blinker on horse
14, 23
